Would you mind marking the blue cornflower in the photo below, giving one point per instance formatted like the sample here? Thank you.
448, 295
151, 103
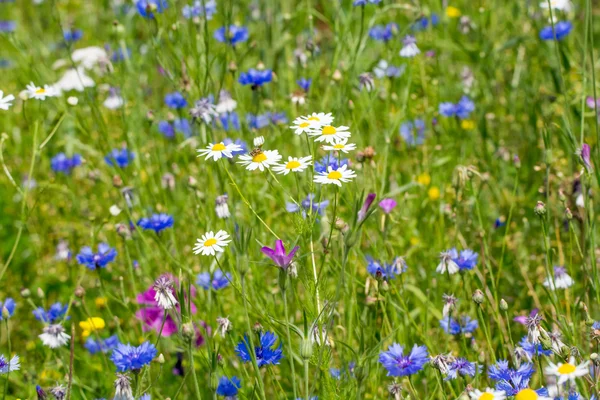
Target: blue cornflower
232, 35
255, 77
304, 83
385, 70
100, 259
166, 129
182, 125
266, 353
7, 26
464, 107
175, 100
147, 8
278, 118
511, 380
413, 132
385, 270
533, 350
55, 312
72, 35
8, 305
453, 327
197, 9
447, 109
98, 345
240, 143
157, 222
423, 22
398, 364
63, 164
119, 158
229, 387
596, 325
306, 204
219, 280
230, 120
561, 30
384, 33
327, 161
127, 357
364, 2
462, 367
258, 121
120, 54
466, 260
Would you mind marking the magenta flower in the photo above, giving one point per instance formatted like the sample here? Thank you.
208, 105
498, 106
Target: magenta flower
152, 315
365, 208
584, 152
387, 205
278, 255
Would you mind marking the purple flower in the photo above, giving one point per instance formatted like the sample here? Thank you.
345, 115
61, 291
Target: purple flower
304, 83
232, 35
175, 100
584, 152
278, 255
255, 77
362, 213
398, 364
453, 327
387, 205
461, 366
100, 259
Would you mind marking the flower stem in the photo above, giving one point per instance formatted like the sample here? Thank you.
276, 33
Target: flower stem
289, 340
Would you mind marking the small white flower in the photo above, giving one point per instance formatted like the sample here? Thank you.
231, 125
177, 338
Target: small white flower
72, 101
567, 371
221, 207
54, 336
335, 176
260, 159
74, 79
447, 264
330, 134
410, 48
5, 102
114, 210
210, 244
123, 388
10, 366
561, 279
163, 287
340, 145
219, 150
226, 103
321, 337
88, 57
113, 101
294, 164
487, 394
224, 325
40, 93
561, 5
259, 141
303, 125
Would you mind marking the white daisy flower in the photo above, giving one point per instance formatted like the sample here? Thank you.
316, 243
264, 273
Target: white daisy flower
567, 371
210, 244
40, 93
447, 264
303, 125
88, 57
294, 164
5, 102
74, 79
340, 145
218, 150
113, 101
410, 48
561, 280
260, 159
320, 118
226, 102
163, 287
335, 176
10, 366
487, 394
259, 141
561, 5
54, 336
330, 134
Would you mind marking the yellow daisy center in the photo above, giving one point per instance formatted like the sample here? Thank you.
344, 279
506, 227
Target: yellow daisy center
40, 91
566, 369
210, 242
260, 157
334, 175
304, 124
329, 130
218, 147
486, 396
338, 146
526, 394
314, 119
293, 164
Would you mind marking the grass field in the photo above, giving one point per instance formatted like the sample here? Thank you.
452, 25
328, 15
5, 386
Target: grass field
277, 199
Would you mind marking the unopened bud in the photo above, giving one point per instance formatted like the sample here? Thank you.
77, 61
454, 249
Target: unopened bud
257, 328
540, 209
40, 293
160, 359
79, 292
503, 305
188, 331
478, 297
25, 293
568, 214
306, 349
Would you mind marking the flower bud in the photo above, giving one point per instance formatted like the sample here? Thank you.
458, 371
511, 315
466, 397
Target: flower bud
25, 293
503, 305
188, 331
160, 359
540, 209
478, 297
306, 349
79, 292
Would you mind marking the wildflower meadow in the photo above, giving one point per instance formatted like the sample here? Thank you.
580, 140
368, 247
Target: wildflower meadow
299, 199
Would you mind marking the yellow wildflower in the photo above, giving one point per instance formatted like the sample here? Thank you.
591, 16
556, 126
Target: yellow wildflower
90, 325
452, 12
433, 193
